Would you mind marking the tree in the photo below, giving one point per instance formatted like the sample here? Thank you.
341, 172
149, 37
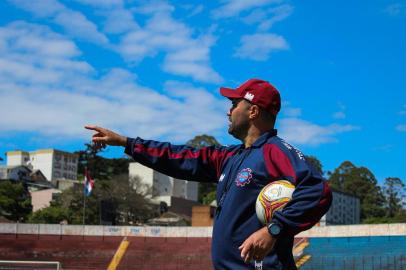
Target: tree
100, 167
360, 182
206, 190
394, 191
15, 201
203, 140
127, 201
53, 214
315, 163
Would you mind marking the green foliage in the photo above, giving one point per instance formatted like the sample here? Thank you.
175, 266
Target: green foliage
209, 197
101, 168
202, 141
207, 191
394, 191
359, 181
127, 198
51, 215
399, 218
15, 201
315, 163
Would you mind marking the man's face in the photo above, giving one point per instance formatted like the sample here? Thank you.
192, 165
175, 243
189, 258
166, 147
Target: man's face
238, 116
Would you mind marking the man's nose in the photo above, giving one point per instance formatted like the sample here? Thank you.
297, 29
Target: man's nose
229, 112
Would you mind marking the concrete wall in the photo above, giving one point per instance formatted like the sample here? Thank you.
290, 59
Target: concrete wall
201, 232
80, 230
355, 230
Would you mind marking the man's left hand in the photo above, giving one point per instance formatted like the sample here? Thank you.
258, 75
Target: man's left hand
257, 246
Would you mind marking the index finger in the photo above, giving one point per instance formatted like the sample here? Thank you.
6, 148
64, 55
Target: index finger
93, 127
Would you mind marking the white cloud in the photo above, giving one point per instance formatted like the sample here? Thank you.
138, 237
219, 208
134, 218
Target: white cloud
185, 55
161, 33
231, 8
302, 132
401, 128
265, 18
259, 46
45, 8
102, 3
33, 54
394, 9
56, 96
118, 19
74, 23
194, 10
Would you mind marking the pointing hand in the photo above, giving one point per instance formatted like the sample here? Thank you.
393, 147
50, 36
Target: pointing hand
104, 137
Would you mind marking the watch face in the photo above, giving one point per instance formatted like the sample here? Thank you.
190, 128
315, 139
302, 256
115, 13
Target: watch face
274, 229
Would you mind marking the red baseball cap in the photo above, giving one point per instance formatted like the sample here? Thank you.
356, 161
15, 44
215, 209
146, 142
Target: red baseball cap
258, 92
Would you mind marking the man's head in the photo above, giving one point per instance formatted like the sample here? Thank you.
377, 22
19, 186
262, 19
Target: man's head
255, 102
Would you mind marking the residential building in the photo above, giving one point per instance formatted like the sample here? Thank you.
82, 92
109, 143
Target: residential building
54, 164
203, 215
15, 172
42, 198
164, 188
345, 209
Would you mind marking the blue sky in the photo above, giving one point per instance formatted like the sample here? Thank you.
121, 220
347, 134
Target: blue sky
153, 69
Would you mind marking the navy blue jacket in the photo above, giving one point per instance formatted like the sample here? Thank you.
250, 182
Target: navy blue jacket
241, 173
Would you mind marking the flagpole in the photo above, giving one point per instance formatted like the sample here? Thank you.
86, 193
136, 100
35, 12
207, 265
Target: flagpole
84, 206
84, 197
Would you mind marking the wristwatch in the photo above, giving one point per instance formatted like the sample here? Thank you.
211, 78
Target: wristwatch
274, 229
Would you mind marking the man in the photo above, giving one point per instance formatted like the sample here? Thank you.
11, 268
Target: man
240, 241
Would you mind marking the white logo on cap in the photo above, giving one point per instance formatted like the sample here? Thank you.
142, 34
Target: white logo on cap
249, 96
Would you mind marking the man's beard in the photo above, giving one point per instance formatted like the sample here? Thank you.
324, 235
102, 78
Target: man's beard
240, 131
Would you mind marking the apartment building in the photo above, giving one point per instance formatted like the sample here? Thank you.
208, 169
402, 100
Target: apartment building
345, 209
164, 187
54, 164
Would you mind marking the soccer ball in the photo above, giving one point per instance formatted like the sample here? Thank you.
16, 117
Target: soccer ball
273, 197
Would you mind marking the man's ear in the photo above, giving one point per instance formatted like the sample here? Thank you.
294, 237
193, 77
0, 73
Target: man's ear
254, 112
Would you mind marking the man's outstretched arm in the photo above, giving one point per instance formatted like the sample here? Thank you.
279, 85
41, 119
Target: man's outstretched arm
179, 161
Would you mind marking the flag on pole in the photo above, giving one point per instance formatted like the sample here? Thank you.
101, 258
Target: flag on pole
89, 183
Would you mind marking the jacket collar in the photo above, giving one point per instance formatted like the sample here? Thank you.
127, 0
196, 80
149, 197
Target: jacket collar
264, 138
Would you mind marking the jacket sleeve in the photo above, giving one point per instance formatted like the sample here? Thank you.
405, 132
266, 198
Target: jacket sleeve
312, 196
179, 161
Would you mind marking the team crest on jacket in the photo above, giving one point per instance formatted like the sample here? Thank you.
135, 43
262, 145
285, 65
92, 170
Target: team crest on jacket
244, 177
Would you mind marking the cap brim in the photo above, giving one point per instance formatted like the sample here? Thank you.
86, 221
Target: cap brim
229, 93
